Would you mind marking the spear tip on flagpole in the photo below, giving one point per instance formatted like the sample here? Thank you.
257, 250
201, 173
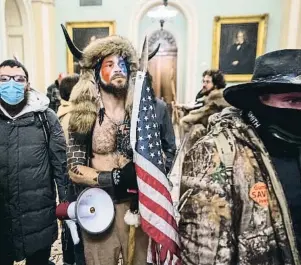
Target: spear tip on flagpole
144, 55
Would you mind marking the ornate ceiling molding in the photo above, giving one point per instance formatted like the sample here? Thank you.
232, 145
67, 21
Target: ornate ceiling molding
167, 42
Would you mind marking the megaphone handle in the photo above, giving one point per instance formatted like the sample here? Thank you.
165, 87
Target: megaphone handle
73, 230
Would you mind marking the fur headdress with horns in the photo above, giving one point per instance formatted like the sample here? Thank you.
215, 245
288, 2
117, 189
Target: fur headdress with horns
84, 95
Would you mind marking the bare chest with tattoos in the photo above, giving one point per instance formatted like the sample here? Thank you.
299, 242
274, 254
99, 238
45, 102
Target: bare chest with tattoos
110, 145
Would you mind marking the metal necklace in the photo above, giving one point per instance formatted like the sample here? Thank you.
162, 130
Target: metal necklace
114, 122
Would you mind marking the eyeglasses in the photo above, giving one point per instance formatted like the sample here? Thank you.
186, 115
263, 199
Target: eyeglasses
17, 78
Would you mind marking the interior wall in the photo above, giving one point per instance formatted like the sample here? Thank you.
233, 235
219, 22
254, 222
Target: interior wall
202, 29
284, 21
235, 8
71, 11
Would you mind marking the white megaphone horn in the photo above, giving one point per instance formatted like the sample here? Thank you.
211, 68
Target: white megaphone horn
93, 211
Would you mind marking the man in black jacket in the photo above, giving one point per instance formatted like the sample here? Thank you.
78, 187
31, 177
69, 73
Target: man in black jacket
53, 93
32, 161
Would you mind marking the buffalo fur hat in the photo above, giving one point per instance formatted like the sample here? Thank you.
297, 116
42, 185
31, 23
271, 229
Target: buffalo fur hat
85, 95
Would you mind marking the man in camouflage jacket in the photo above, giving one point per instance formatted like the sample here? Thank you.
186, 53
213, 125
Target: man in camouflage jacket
241, 182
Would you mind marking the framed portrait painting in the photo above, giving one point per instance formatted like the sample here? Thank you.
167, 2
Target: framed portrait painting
237, 41
82, 34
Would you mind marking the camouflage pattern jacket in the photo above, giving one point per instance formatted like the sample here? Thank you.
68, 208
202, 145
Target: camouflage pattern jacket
233, 209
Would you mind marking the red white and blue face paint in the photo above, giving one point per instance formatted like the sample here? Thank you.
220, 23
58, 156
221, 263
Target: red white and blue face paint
113, 70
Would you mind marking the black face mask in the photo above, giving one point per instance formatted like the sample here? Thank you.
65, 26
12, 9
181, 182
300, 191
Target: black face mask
283, 124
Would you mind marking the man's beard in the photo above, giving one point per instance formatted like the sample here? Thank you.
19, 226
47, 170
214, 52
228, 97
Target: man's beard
206, 92
13, 110
117, 91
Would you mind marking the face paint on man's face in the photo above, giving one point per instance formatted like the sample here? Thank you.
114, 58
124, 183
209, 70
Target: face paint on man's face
113, 70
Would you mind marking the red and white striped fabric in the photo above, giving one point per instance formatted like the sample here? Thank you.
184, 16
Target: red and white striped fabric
155, 203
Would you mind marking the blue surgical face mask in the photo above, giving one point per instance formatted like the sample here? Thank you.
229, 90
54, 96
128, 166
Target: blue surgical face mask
12, 92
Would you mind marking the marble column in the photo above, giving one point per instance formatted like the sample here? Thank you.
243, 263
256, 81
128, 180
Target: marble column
45, 54
291, 24
2, 31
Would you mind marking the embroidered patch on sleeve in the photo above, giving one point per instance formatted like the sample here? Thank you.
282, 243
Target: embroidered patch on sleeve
259, 194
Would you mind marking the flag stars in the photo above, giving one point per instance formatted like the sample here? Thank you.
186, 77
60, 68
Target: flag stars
142, 147
148, 135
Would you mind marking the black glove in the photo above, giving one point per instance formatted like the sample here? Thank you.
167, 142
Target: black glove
124, 179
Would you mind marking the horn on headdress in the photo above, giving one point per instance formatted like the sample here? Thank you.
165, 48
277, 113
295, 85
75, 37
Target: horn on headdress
154, 52
78, 54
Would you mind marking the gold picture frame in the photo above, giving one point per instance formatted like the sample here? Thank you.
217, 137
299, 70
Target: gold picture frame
237, 41
82, 33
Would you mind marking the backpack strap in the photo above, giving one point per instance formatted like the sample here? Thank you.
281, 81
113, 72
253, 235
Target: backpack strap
226, 149
45, 125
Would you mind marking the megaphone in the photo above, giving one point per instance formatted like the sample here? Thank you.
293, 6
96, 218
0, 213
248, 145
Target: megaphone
93, 211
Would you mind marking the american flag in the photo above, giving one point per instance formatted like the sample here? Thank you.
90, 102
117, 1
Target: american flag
155, 203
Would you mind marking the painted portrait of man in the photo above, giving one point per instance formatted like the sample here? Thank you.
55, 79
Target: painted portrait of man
238, 48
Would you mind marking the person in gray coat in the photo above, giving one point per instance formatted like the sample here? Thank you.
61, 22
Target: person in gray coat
167, 133
32, 164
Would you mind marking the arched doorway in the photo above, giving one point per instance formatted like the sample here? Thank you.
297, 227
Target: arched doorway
188, 46
15, 33
163, 67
